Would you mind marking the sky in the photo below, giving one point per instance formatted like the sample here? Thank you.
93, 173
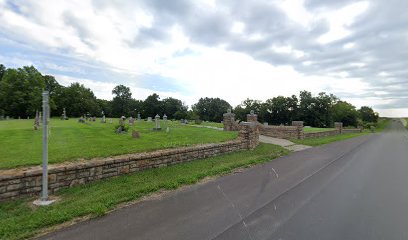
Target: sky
258, 49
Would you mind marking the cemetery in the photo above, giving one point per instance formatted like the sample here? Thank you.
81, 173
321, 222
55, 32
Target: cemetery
70, 140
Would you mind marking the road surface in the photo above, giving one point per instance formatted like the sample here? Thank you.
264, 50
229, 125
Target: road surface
354, 189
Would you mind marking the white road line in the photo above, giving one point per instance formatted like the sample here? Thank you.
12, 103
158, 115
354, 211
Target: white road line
276, 174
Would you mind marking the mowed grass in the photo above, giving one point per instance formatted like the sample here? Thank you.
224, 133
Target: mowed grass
19, 219
326, 140
69, 140
210, 124
314, 129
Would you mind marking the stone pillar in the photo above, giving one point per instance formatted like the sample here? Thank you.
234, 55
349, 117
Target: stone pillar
339, 127
252, 117
299, 129
229, 120
249, 134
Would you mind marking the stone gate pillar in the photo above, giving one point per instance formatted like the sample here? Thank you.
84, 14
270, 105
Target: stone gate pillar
229, 120
339, 127
299, 129
252, 117
249, 135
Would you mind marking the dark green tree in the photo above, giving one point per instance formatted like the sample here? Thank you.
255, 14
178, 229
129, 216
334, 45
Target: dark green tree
121, 101
171, 106
367, 114
211, 109
152, 106
78, 100
344, 112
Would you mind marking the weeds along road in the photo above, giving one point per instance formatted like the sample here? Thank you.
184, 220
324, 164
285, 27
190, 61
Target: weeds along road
354, 189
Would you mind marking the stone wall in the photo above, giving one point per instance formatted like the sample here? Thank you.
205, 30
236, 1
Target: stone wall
286, 132
320, 134
16, 183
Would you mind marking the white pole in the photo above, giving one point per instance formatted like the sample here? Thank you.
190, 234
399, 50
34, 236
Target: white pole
44, 196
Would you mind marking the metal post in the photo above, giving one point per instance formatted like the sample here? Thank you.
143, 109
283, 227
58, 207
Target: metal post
44, 196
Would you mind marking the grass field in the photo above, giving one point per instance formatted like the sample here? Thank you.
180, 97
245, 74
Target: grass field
314, 129
69, 140
211, 124
19, 219
326, 140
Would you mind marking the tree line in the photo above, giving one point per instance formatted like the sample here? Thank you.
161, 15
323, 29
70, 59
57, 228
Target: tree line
20, 96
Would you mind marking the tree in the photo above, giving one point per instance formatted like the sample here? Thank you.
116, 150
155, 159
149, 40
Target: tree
344, 112
79, 100
20, 91
152, 106
211, 109
367, 114
171, 106
121, 101
2, 71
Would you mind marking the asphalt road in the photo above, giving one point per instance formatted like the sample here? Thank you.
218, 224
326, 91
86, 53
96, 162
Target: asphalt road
354, 189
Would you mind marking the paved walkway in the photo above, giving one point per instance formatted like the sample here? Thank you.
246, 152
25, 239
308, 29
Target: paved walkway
284, 143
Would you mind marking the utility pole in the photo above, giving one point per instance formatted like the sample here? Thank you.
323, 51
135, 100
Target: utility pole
43, 201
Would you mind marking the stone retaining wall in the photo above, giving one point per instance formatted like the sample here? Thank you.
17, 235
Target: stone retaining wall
16, 183
320, 134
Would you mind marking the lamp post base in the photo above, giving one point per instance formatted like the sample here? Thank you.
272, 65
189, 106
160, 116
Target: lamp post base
40, 202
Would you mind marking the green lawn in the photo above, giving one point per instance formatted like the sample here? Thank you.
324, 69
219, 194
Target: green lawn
325, 140
382, 124
314, 129
69, 140
211, 124
19, 219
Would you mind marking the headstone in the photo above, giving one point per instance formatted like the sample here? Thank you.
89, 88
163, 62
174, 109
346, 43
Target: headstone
19, 118
103, 120
182, 121
131, 121
167, 130
81, 120
2, 117
157, 123
149, 119
110, 121
165, 117
40, 116
7, 118
28, 117
265, 124
36, 121
64, 115
93, 119
135, 134
138, 117
121, 128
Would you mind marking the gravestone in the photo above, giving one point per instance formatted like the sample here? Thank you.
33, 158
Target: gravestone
149, 119
110, 121
81, 120
265, 124
64, 115
93, 119
138, 117
131, 121
103, 119
167, 130
121, 127
40, 116
165, 117
7, 118
157, 123
19, 118
36, 121
135, 134
2, 117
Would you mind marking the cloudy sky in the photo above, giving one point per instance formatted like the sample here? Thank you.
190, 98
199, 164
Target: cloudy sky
357, 50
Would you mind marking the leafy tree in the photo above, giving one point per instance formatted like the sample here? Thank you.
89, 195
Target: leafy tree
281, 110
20, 91
171, 106
121, 101
152, 106
211, 109
367, 114
344, 112
2, 71
79, 100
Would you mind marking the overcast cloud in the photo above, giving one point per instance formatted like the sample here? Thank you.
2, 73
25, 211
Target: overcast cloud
357, 50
